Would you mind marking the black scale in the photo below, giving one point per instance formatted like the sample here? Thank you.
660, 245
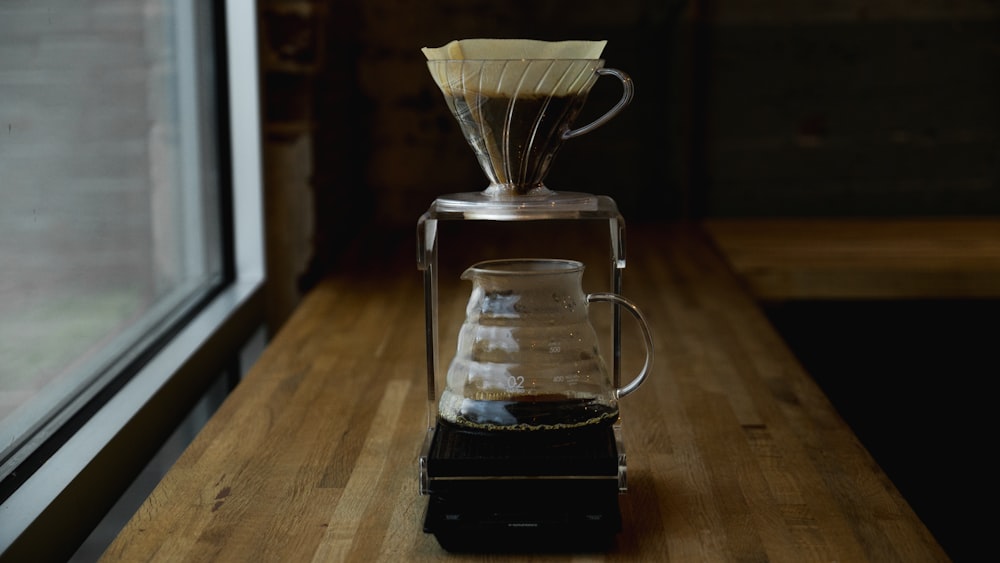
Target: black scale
540, 490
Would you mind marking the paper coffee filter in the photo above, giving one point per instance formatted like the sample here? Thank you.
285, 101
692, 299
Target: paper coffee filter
514, 67
509, 49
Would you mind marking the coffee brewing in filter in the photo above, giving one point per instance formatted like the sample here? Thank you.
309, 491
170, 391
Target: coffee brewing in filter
519, 67
515, 101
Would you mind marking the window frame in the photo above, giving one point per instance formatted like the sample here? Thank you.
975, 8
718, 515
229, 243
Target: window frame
55, 508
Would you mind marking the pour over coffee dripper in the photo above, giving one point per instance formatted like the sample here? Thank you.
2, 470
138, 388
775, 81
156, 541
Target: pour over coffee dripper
515, 113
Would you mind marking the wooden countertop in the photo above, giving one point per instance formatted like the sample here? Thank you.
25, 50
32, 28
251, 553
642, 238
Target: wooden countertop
913, 258
733, 451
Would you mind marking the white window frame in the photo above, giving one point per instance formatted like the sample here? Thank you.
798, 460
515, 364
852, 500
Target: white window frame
99, 460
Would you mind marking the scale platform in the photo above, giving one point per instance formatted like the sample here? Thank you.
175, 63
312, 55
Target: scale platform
546, 490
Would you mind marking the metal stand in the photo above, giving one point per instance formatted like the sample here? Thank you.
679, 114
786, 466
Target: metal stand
526, 490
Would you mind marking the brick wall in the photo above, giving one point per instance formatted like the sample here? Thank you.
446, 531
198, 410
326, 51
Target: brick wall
291, 40
851, 108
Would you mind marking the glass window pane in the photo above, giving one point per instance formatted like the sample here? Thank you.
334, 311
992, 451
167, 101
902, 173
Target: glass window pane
109, 217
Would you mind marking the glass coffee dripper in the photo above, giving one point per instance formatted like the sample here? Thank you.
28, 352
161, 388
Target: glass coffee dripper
515, 114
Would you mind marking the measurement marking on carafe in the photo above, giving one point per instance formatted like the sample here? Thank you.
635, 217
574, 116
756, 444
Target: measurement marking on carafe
515, 384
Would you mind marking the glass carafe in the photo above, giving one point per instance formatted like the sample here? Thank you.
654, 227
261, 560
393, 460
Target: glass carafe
527, 356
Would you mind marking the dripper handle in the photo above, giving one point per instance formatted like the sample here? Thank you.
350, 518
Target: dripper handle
646, 336
627, 91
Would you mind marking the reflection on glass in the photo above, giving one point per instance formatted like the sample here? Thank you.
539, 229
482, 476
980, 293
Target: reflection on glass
107, 173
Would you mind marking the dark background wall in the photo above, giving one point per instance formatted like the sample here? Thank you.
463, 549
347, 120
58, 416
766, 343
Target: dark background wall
858, 108
750, 108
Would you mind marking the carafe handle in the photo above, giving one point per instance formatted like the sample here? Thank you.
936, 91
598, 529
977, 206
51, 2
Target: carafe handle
647, 337
627, 91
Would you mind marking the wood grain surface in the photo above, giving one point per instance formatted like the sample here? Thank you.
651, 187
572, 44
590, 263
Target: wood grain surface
928, 258
734, 454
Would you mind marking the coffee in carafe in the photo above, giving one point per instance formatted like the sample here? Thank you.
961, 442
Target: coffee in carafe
527, 355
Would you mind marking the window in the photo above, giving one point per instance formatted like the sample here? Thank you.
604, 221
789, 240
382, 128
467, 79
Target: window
130, 235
